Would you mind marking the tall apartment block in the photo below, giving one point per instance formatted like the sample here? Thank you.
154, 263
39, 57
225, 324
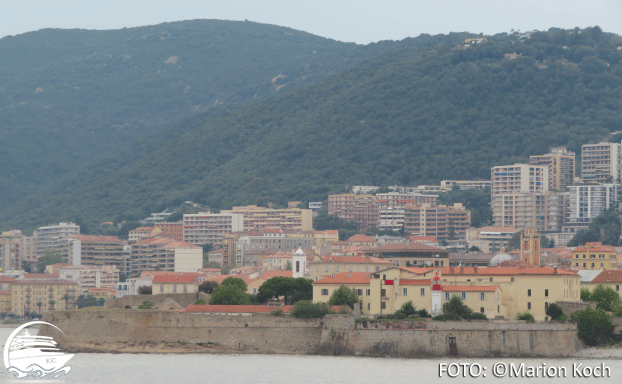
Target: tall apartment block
174, 229
96, 251
16, 248
519, 178
260, 218
362, 210
167, 254
438, 221
585, 202
53, 237
203, 228
391, 207
547, 211
601, 161
561, 164
448, 185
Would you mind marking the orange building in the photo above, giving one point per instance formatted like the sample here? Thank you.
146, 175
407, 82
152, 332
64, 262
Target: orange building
176, 230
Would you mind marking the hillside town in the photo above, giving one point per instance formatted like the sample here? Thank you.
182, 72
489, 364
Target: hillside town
431, 255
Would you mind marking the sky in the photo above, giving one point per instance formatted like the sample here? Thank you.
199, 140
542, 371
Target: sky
360, 21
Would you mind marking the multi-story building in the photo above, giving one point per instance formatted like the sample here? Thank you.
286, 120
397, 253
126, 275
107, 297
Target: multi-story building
132, 286
176, 230
16, 248
281, 241
547, 211
448, 185
211, 228
5, 301
391, 207
561, 164
174, 284
91, 276
362, 210
442, 222
325, 266
602, 162
95, 250
53, 237
595, 256
41, 295
490, 239
166, 254
141, 232
585, 202
260, 218
519, 178
409, 254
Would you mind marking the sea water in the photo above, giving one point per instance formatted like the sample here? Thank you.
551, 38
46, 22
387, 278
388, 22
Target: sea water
291, 369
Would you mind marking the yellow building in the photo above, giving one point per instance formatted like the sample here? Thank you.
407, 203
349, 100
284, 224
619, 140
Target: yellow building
252, 283
5, 301
174, 284
326, 266
40, 295
323, 238
361, 240
269, 218
324, 288
611, 279
595, 256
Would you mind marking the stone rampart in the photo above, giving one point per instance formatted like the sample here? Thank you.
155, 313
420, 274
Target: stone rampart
134, 301
570, 307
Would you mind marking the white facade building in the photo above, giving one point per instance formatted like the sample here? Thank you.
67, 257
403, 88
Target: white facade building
585, 202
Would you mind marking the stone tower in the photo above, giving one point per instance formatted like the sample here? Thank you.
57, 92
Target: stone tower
530, 247
299, 263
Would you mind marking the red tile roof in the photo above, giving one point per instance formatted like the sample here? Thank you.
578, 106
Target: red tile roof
41, 275
96, 239
220, 278
174, 279
143, 229
608, 277
430, 239
469, 288
269, 274
165, 242
346, 278
209, 270
6, 279
359, 237
418, 270
594, 247
505, 271
351, 259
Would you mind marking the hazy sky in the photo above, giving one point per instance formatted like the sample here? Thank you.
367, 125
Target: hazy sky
361, 21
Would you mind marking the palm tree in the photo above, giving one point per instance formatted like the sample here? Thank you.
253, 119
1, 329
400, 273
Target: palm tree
39, 304
52, 302
66, 298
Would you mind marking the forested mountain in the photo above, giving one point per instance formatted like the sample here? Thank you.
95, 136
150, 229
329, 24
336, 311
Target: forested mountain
70, 96
415, 115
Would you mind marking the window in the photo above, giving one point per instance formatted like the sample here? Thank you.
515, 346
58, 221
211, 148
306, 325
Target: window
584, 264
384, 277
324, 292
383, 292
546, 293
592, 265
546, 305
383, 305
297, 266
359, 292
617, 288
174, 287
602, 264
368, 306
498, 308
512, 279
422, 291
349, 268
446, 295
358, 268
405, 292
491, 279
481, 309
481, 295
185, 288
529, 292
336, 268
377, 269
529, 305
254, 291
464, 296
368, 292
161, 287
326, 268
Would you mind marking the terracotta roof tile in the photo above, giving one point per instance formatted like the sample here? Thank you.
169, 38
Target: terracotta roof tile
270, 274
41, 275
359, 237
346, 278
415, 282
352, 259
505, 271
5, 293
174, 279
469, 288
608, 277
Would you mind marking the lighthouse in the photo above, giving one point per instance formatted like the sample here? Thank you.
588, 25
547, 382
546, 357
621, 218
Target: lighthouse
437, 308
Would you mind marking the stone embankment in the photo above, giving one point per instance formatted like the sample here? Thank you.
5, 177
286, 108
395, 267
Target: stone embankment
136, 331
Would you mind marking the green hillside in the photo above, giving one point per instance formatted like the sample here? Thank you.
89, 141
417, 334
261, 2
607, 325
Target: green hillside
409, 116
68, 97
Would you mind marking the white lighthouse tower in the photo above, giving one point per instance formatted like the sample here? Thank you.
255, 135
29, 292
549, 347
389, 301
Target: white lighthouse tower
299, 265
437, 308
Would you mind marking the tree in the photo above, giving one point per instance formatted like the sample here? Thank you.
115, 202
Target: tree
211, 264
407, 309
291, 289
474, 249
451, 232
122, 277
344, 296
145, 290
207, 247
594, 325
49, 257
39, 304
229, 294
66, 299
554, 311
235, 281
26, 266
514, 241
52, 303
455, 307
89, 301
527, 316
208, 286
607, 299
125, 229
304, 309
586, 295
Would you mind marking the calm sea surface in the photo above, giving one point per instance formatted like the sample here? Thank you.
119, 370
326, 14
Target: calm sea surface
288, 369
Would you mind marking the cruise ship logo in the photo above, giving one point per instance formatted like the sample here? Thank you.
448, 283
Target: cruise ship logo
27, 355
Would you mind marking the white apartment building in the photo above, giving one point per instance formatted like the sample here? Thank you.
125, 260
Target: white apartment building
391, 207
203, 228
519, 178
448, 185
490, 239
547, 211
164, 253
585, 202
561, 164
51, 237
91, 276
131, 286
601, 161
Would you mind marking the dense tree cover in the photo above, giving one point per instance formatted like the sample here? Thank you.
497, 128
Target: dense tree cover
605, 228
69, 96
455, 309
554, 311
406, 117
605, 297
344, 296
289, 288
475, 200
208, 286
229, 294
90, 301
305, 309
594, 326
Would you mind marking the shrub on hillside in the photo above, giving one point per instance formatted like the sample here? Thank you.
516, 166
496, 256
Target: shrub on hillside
525, 316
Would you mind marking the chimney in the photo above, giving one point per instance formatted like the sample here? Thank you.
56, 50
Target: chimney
475, 270
451, 269
462, 270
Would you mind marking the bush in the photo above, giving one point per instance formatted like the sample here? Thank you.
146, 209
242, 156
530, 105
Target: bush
344, 296
525, 316
554, 311
304, 309
476, 316
408, 308
446, 317
277, 312
586, 295
208, 286
144, 290
456, 307
594, 326
606, 297
423, 313
200, 302
146, 305
229, 294
563, 318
